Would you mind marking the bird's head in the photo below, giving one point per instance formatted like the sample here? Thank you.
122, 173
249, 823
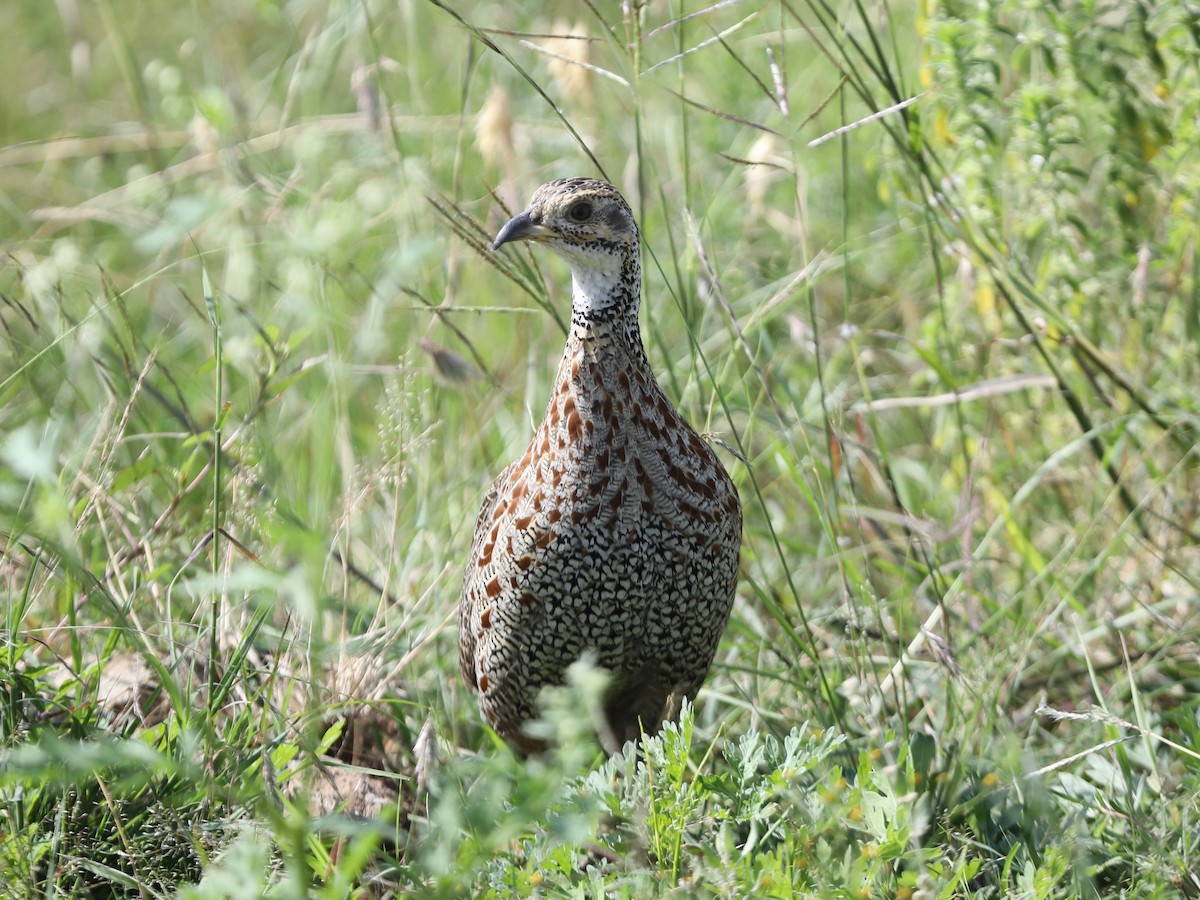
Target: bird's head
588, 223
583, 220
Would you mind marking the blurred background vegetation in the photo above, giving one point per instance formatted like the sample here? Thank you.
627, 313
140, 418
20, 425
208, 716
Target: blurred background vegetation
926, 271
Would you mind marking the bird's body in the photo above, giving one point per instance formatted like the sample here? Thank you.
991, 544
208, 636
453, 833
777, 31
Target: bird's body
617, 533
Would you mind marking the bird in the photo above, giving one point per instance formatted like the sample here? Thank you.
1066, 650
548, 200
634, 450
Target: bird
618, 532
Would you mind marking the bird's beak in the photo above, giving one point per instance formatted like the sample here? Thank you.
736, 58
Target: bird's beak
521, 228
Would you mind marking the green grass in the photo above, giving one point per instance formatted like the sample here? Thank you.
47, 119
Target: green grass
257, 368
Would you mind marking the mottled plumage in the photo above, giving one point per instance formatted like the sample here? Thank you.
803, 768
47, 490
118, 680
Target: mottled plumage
618, 531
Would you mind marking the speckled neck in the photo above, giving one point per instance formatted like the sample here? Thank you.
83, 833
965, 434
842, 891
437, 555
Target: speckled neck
605, 300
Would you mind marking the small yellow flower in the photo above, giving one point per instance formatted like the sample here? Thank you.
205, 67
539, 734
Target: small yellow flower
834, 789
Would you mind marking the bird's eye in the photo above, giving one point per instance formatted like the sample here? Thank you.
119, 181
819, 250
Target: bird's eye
580, 212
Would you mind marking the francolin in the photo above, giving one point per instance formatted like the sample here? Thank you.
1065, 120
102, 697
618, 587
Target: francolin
617, 533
